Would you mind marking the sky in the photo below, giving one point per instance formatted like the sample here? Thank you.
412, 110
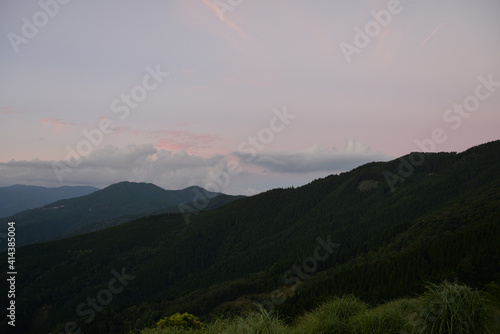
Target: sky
239, 96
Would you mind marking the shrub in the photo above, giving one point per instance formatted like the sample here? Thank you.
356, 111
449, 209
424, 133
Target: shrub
446, 308
183, 321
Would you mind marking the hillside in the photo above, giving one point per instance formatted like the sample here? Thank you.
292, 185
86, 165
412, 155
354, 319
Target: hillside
17, 198
115, 204
211, 204
443, 308
346, 233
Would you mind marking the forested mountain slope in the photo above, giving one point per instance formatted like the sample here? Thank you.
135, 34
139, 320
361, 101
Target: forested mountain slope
117, 203
17, 198
384, 239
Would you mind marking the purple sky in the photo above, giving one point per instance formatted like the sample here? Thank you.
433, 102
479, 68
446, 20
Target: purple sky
283, 91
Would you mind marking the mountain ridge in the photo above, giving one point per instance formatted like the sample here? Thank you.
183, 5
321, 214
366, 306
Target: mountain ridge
18, 197
124, 200
441, 223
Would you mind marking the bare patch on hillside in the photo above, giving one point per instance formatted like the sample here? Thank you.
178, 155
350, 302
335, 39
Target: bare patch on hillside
367, 185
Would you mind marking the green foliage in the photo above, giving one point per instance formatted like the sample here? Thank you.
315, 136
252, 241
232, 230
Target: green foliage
389, 318
450, 308
261, 322
116, 204
178, 320
446, 309
331, 317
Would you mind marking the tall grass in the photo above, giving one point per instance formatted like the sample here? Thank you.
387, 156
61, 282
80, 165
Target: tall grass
389, 318
447, 308
262, 322
331, 317
450, 308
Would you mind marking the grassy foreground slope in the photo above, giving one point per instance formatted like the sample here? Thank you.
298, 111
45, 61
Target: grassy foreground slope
441, 223
445, 308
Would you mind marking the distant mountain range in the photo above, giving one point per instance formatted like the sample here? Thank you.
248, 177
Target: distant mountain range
110, 206
17, 198
380, 231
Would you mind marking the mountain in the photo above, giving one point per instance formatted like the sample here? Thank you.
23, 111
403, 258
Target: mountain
212, 203
380, 231
17, 198
117, 203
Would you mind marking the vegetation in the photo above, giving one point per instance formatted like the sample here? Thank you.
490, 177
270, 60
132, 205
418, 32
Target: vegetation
447, 308
183, 321
262, 322
441, 223
333, 316
116, 204
451, 308
17, 198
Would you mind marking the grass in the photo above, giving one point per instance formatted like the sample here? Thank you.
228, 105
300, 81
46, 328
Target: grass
447, 308
261, 322
331, 317
388, 318
450, 308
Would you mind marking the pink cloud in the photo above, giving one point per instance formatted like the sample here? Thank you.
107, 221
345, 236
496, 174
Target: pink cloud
432, 33
56, 123
226, 20
204, 17
183, 140
172, 145
172, 140
10, 110
120, 130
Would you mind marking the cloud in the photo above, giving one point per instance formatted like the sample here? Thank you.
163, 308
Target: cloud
314, 159
226, 20
57, 124
432, 34
203, 17
9, 110
110, 164
177, 170
172, 139
352, 146
183, 140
